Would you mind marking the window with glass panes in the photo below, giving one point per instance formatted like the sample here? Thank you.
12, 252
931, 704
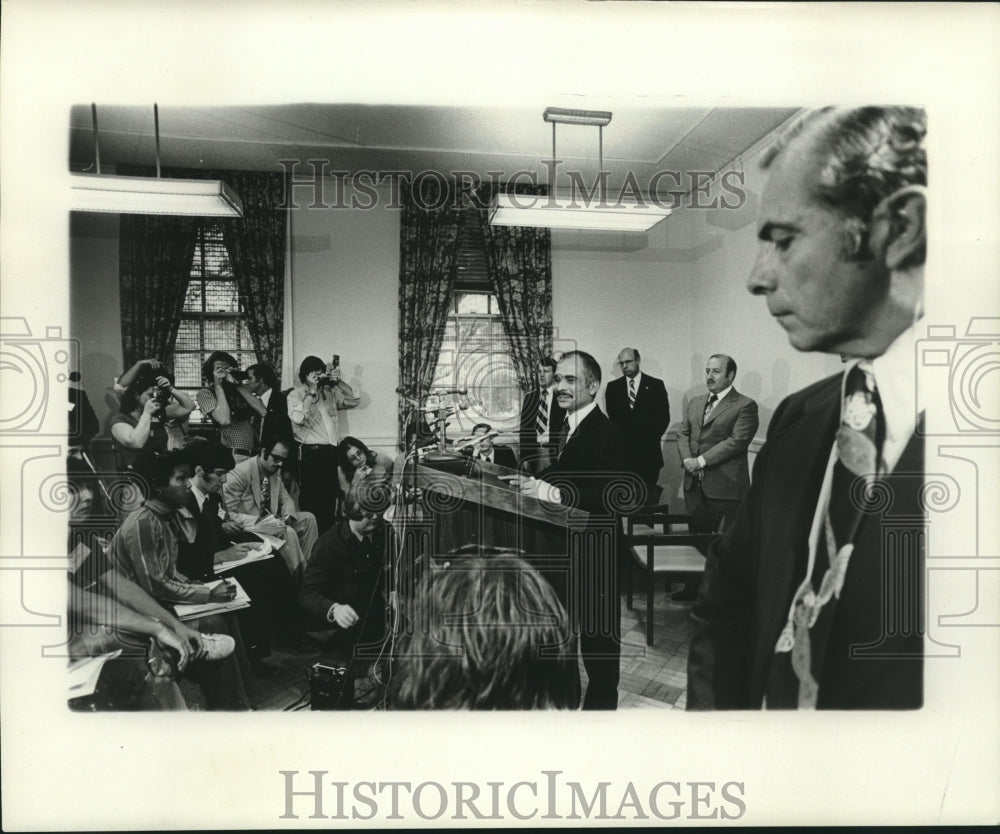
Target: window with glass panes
213, 317
475, 353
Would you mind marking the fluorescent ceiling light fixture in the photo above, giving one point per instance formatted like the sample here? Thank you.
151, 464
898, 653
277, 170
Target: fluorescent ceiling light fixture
623, 214
560, 115
569, 212
150, 195
154, 195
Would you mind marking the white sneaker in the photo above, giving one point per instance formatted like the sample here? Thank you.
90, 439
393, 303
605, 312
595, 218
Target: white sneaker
217, 646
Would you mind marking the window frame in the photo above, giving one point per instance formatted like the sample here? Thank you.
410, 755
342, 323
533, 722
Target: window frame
205, 276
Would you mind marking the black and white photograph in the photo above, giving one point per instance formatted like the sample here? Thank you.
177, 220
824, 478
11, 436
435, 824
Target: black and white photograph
564, 414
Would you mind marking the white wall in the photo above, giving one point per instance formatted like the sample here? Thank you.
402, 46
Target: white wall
345, 270
95, 306
677, 294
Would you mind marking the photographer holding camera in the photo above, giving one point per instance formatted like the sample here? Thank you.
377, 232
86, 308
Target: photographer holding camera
230, 404
148, 406
312, 408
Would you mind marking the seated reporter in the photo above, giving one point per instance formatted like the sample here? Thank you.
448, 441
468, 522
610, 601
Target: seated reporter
488, 451
361, 465
144, 552
257, 501
213, 537
493, 636
342, 589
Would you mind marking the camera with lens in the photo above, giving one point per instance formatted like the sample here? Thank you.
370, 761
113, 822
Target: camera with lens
238, 375
162, 395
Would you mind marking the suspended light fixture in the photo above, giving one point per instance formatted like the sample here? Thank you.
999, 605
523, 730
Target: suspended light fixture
151, 195
564, 209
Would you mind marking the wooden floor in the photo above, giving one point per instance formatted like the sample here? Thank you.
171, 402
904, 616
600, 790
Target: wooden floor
651, 677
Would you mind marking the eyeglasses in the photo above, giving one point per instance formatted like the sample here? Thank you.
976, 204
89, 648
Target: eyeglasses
624, 362
277, 458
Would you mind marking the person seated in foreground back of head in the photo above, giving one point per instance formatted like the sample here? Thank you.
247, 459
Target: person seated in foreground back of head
498, 638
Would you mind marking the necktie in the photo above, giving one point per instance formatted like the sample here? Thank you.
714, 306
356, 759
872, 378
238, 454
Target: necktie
265, 493
542, 417
712, 400
858, 463
631, 393
563, 437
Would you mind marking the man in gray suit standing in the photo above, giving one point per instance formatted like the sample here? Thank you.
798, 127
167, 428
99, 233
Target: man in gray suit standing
713, 440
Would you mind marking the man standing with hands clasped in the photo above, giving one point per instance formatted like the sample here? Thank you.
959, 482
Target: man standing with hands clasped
713, 441
813, 598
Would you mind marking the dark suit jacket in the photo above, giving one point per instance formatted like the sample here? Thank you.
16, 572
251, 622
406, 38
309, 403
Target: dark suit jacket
196, 559
593, 455
529, 410
276, 422
723, 441
343, 570
502, 455
642, 427
753, 570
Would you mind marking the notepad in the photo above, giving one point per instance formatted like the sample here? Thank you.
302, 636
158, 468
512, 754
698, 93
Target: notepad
193, 610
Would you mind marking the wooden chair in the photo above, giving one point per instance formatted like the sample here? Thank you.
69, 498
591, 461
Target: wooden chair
675, 553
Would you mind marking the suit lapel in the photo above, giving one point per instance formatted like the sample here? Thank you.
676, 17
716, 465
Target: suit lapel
790, 488
255, 486
720, 407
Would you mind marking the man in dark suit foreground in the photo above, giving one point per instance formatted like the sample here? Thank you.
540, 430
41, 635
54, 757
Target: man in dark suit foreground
584, 477
638, 407
813, 597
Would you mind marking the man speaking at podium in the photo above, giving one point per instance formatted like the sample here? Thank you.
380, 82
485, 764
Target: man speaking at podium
590, 456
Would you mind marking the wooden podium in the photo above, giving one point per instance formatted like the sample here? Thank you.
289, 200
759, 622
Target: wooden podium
464, 501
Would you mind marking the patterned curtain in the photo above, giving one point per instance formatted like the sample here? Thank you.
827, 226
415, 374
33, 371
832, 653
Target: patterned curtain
520, 266
428, 244
154, 262
256, 246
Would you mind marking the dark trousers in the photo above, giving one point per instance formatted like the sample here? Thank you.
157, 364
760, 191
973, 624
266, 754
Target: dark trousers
596, 602
273, 611
708, 515
319, 489
221, 681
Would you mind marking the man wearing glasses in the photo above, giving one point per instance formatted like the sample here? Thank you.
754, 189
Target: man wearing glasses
638, 407
257, 500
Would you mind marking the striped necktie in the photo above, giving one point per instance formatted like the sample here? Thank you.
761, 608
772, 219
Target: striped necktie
631, 393
542, 417
709, 407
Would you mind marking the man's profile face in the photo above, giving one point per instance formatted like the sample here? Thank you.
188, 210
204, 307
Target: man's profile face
212, 481
716, 378
545, 374
824, 301
628, 363
255, 384
572, 390
176, 491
